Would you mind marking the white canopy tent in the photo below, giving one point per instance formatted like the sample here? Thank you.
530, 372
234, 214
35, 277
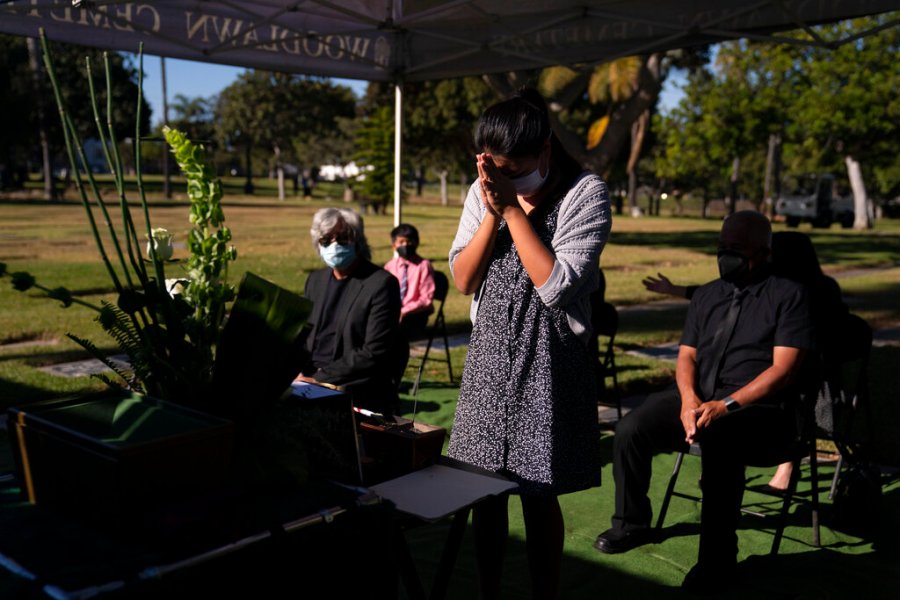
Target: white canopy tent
415, 40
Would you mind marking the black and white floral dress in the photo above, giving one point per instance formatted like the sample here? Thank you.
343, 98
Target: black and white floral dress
527, 406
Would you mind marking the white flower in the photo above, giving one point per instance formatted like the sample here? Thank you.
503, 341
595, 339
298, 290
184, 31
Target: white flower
162, 240
176, 287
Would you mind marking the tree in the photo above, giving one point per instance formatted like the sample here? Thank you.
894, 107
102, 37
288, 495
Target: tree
828, 107
440, 119
19, 121
609, 85
17, 131
281, 113
34, 63
195, 117
859, 120
375, 151
685, 156
567, 103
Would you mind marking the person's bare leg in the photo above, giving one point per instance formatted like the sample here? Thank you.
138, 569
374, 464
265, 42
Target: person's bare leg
490, 524
544, 537
782, 476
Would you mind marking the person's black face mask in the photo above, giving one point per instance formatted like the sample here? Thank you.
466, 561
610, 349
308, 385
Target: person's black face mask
404, 251
733, 267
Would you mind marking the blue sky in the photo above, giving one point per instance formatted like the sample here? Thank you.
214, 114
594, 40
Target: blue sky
206, 79
197, 79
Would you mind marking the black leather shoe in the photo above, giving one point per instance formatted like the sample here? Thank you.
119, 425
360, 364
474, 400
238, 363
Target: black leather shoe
614, 541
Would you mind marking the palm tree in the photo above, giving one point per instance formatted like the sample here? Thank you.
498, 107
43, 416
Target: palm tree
612, 84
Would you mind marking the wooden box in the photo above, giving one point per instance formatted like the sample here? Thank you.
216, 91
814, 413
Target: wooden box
393, 449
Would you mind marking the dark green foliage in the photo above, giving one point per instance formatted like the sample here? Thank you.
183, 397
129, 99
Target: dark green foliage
19, 119
276, 113
439, 122
375, 149
824, 104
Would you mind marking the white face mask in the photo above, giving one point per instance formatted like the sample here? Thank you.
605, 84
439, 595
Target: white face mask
528, 185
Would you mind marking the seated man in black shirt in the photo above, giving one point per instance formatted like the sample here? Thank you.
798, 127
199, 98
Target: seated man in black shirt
741, 351
354, 342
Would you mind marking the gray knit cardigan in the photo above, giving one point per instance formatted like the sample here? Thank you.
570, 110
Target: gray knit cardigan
582, 228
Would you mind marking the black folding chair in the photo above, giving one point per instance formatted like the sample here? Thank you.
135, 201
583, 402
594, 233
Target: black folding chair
605, 323
845, 392
803, 447
438, 326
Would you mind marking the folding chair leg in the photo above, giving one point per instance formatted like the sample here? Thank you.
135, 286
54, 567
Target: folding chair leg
447, 350
616, 392
673, 478
785, 506
415, 389
814, 476
837, 475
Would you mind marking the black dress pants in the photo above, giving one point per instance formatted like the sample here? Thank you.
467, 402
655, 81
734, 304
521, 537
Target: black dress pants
754, 435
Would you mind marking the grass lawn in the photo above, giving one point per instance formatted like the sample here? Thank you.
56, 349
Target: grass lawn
52, 241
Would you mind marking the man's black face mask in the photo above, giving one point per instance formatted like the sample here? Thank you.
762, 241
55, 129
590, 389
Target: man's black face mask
733, 267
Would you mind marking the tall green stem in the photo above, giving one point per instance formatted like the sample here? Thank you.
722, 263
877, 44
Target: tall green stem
157, 264
132, 245
66, 123
100, 203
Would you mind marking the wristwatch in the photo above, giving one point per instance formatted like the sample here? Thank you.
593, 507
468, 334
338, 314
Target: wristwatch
731, 404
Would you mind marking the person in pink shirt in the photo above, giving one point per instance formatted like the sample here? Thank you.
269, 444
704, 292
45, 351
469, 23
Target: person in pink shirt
416, 277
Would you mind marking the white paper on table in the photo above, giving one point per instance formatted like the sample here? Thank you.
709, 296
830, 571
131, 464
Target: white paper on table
438, 491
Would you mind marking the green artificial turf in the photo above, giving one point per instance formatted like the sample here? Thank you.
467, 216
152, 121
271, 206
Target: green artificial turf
843, 566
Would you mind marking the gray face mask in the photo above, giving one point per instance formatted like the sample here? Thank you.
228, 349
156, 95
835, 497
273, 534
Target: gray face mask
404, 251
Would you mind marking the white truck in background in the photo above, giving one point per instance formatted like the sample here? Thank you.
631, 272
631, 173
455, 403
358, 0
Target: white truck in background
819, 199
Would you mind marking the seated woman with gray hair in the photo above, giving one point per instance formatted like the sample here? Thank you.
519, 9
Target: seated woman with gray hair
354, 342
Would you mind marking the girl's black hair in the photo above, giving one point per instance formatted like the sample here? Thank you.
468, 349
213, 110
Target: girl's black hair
518, 127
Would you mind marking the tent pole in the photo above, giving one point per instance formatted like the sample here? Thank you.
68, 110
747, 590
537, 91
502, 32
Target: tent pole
398, 136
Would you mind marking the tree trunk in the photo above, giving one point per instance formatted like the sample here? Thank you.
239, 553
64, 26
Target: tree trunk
443, 176
679, 204
657, 199
633, 207
638, 128
705, 207
248, 184
771, 187
420, 180
279, 173
34, 62
463, 190
861, 218
735, 174
623, 116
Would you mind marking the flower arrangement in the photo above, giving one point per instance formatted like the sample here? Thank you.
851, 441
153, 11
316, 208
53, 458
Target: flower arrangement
169, 338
